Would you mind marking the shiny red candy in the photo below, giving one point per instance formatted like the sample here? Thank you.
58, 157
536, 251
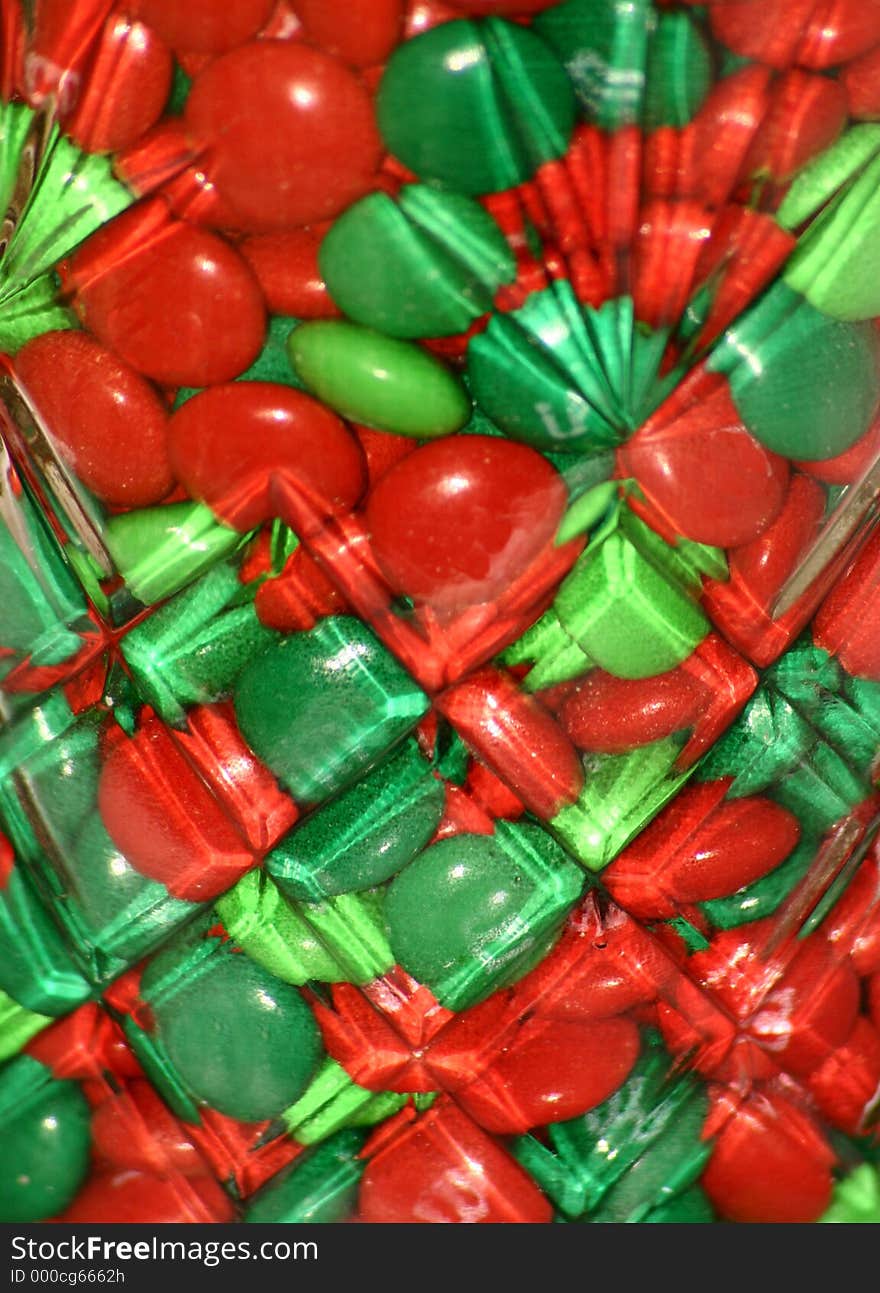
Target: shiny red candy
126, 1197
709, 478
553, 1071
848, 623
286, 267
456, 522
204, 26
516, 737
287, 134
165, 821
128, 282
360, 32
769, 1162
127, 87
700, 847
611, 715
135, 1130
254, 450
109, 424
790, 1016
445, 1168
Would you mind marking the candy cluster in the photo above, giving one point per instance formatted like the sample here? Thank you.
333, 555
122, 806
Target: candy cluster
439, 610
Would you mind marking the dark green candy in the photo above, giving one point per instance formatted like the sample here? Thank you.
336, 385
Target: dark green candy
36, 969
241, 1041
44, 1126
564, 377
639, 1150
426, 264
475, 105
806, 385
320, 707
319, 1187
604, 46
190, 651
364, 835
475, 912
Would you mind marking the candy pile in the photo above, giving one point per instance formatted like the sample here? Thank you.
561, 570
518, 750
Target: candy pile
440, 610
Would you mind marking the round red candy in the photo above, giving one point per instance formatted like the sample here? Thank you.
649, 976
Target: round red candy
360, 32
256, 450
126, 89
769, 1162
286, 267
175, 301
288, 133
457, 521
205, 26
109, 424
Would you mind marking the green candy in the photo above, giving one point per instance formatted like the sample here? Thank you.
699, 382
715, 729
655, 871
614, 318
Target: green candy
476, 912
817, 183
567, 378
621, 794
625, 614
44, 1124
340, 940
806, 385
36, 970
242, 1041
856, 1198
320, 1187
364, 835
42, 602
836, 264
604, 46
424, 265
159, 549
190, 651
478, 106
320, 707
379, 381
679, 71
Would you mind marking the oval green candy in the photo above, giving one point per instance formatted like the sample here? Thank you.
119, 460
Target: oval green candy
475, 105
364, 835
806, 385
475, 912
679, 71
604, 46
380, 381
241, 1040
45, 1128
424, 265
321, 707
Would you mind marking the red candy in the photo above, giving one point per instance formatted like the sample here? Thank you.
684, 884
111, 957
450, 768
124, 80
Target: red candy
165, 821
699, 848
445, 1168
848, 623
456, 522
204, 26
176, 302
360, 32
286, 267
109, 424
612, 715
513, 733
769, 1163
126, 1197
127, 87
554, 1070
287, 131
709, 478
256, 450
